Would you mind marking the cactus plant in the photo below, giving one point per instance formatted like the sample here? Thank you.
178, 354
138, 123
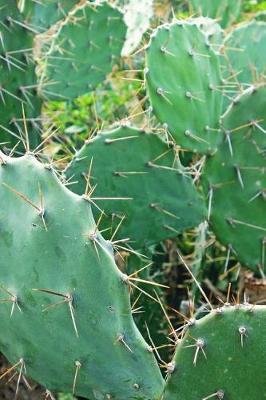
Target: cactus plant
213, 357
234, 179
42, 14
157, 197
183, 79
66, 317
78, 56
70, 323
225, 12
17, 77
245, 54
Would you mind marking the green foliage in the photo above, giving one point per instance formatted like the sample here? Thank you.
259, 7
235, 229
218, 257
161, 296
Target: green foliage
234, 179
103, 107
216, 350
157, 197
182, 76
64, 261
80, 55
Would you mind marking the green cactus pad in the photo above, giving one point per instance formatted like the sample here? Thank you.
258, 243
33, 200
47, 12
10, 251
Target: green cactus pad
225, 12
137, 166
183, 80
235, 180
79, 55
245, 51
222, 356
52, 253
42, 14
17, 77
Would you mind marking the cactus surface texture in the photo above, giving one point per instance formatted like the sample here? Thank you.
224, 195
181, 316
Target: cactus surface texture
67, 319
182, 75
158, 198
245, 53
80, 55
17, 77
42, 14
224, 11
235, 179
222, 356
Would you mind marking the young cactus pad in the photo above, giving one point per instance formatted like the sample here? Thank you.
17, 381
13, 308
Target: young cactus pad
80, 55
183, 82
245, 54
222, 356
142, 182
17, 77
64, 306
235, 180
225, 12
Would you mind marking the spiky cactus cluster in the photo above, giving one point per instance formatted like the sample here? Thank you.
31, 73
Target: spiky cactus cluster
66, 317
38, 64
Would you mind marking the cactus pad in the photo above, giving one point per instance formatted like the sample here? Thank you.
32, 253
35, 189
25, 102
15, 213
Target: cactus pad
42, 14
79, 55
66, 319
17, 77
183, 79
235, 180
225, 12
159, 196
222, 356
245, 50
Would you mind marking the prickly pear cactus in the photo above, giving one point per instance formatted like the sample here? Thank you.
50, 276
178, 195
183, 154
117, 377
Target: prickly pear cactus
66, 320
183, 80
138, 180
245, 54
225, 12
222, 356
235, 180
17, 77
42, 14
80, 55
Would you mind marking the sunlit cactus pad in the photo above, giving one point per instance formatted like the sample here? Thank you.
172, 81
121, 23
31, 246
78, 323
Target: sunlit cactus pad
235, 180
222, 356
140, 181
80, 55
183, 82
17, 77
64, 306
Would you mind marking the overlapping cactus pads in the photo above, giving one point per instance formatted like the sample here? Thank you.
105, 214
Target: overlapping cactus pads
67, 319
138, 181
